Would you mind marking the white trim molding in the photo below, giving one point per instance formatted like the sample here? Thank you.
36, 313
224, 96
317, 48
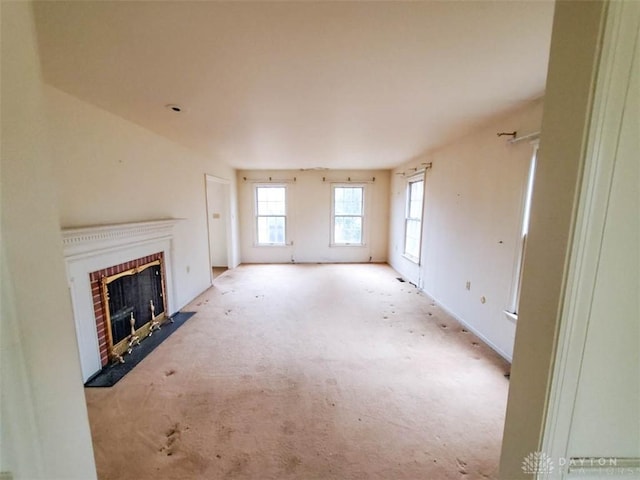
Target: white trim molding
91, 240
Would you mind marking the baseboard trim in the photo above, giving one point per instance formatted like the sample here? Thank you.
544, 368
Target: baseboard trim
469, 327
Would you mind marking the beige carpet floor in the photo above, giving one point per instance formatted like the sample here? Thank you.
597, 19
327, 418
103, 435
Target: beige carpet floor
307, 372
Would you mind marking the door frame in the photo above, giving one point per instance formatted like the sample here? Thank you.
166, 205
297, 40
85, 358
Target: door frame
614, 75
227, 221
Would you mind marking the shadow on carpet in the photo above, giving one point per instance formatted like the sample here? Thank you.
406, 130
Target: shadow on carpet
112, 374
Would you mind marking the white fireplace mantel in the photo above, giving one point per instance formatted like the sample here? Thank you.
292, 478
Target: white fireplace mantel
88, 249
92, 240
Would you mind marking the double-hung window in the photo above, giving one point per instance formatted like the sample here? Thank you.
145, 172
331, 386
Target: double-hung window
413, 218
347, 215
271, 214
524, 232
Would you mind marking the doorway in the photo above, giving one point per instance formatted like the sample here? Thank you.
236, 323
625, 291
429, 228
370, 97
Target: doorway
218, 195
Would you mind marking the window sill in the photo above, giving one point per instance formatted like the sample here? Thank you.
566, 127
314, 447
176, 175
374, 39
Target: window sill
511, 316
347, 245
411, 259
271, 245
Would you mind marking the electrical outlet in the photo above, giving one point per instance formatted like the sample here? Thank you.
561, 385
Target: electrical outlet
468, 286
188, 269
483, 300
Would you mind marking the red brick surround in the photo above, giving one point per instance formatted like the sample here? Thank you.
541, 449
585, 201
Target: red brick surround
98, 306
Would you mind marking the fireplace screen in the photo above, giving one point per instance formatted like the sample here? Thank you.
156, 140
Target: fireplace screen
135, 306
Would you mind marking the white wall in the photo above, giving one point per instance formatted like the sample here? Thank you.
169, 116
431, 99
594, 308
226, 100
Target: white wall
471, 226
309, 217
109, 170
44, 427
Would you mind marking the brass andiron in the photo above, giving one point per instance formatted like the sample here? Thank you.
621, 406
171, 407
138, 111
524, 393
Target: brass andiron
116, 356
155, 324
133, 338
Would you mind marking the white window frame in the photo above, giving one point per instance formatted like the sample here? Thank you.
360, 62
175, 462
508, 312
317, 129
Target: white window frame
363, 215
258, 186
516, 287
413, 179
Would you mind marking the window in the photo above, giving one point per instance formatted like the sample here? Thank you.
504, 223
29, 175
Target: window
413, 218
348, 215
271, 214
524, 232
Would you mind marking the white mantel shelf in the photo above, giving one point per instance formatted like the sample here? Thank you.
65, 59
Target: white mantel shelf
78, 242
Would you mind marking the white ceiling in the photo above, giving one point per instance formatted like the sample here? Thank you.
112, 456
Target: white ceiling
300, 84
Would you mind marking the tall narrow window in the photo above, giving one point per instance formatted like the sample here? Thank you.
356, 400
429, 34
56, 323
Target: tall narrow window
348, 215
413, 218
271, 214
524, 232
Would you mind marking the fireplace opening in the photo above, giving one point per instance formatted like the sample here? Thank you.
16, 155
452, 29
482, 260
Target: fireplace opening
132, 305
137, 294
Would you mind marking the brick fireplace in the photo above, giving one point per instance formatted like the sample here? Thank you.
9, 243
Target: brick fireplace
92, 253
